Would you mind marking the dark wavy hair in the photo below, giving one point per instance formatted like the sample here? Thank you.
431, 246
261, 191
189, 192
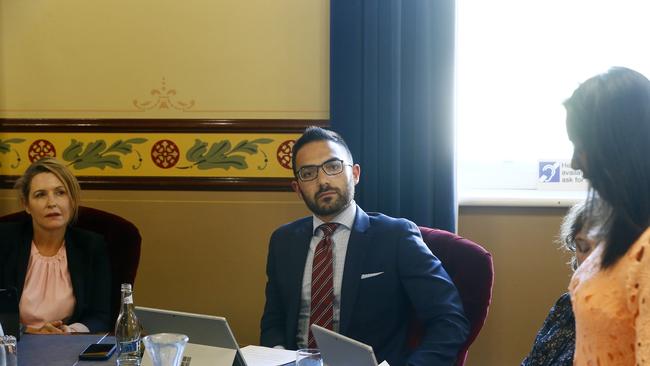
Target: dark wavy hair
608, 116
582, 215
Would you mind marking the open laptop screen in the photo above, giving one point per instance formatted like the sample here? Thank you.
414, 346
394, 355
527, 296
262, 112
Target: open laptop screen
340, 350
206, 330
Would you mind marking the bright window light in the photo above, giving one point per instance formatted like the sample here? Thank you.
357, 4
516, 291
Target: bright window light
516, 62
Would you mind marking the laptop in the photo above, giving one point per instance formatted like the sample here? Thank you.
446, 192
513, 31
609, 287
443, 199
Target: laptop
339, 350
211, 339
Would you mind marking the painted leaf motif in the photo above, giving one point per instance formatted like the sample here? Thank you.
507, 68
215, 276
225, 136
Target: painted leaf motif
96, 155
245, 147
218, 150
136, 141
72, 152
119, 146
5, 145
234, 161
93, 149
221, 154
100, 162
13, 141
124, 147
195, 153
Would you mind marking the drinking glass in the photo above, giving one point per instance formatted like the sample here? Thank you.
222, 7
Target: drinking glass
165, 349
8, 351
308, 357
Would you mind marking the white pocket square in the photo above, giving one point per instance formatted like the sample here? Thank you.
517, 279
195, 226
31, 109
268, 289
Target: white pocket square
369, 275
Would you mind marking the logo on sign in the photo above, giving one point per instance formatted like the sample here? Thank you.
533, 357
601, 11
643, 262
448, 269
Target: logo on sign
549, 172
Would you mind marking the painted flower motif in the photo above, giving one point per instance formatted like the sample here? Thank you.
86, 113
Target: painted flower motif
284, 153
165, 154
40, 149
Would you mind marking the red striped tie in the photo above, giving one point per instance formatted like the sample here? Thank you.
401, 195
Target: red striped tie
322, 283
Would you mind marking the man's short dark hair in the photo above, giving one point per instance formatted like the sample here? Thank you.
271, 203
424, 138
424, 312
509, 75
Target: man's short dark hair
313, 134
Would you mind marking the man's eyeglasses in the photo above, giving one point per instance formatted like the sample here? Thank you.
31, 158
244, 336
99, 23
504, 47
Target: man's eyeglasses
331, 167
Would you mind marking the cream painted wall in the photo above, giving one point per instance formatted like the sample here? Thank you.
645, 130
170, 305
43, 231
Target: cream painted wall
225, 58
202, 251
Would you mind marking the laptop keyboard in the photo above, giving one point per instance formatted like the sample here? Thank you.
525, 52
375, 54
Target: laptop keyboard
186, 361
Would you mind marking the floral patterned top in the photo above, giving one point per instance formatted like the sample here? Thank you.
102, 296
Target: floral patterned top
555, 341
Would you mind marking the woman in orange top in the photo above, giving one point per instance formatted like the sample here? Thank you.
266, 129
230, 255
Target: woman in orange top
608, 121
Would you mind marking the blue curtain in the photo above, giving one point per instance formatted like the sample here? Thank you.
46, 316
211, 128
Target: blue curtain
391, 82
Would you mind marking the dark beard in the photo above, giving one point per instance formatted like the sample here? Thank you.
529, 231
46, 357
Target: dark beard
339, 204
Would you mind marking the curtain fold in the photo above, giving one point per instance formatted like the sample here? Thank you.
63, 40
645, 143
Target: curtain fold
391, 85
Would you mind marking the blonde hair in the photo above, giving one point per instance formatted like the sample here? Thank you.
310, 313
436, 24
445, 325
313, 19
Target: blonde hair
50, 165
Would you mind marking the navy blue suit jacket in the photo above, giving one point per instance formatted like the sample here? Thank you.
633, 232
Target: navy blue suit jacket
87, 263
374, 310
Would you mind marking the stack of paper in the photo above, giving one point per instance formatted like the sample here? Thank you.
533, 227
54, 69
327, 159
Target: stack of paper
265, 356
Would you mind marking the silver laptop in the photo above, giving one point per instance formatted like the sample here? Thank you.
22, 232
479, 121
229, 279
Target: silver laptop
339, 350
210, 336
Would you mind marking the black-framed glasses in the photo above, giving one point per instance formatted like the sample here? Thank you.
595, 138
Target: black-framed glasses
333, 166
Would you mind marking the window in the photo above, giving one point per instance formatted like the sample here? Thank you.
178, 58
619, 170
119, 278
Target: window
516, 62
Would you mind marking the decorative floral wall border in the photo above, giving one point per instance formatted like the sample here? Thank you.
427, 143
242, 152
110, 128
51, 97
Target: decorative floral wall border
203, 154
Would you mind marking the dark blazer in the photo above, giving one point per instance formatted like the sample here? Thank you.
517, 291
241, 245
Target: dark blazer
87, 263
374, 310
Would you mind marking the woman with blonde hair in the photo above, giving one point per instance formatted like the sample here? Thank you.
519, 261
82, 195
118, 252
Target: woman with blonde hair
61, 273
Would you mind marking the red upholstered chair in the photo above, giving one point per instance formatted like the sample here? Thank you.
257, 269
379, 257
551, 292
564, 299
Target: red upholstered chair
470, 267
122, 239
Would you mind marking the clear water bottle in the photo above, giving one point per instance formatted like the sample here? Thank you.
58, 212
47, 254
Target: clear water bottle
128, 331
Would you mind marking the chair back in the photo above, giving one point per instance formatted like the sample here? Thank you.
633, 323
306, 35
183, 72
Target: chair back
470, 267
123, 242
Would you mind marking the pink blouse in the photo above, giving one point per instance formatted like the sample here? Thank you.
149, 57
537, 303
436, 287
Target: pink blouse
47, 295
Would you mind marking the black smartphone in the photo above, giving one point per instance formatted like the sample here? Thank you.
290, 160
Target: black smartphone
98, 351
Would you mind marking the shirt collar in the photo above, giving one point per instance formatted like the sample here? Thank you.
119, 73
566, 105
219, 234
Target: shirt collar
345, 218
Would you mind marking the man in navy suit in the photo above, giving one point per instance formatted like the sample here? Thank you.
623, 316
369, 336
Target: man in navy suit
380, 270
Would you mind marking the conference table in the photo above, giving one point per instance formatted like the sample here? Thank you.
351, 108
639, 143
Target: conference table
64, 350
59, 350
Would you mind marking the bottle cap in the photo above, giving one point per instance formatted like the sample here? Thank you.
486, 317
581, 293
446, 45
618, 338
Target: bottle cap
126, 286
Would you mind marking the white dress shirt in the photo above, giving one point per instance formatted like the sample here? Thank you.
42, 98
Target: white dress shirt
339, 248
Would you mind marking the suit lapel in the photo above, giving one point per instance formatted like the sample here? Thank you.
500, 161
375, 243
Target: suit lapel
22, 258
297, 255
75, 267
357, 248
